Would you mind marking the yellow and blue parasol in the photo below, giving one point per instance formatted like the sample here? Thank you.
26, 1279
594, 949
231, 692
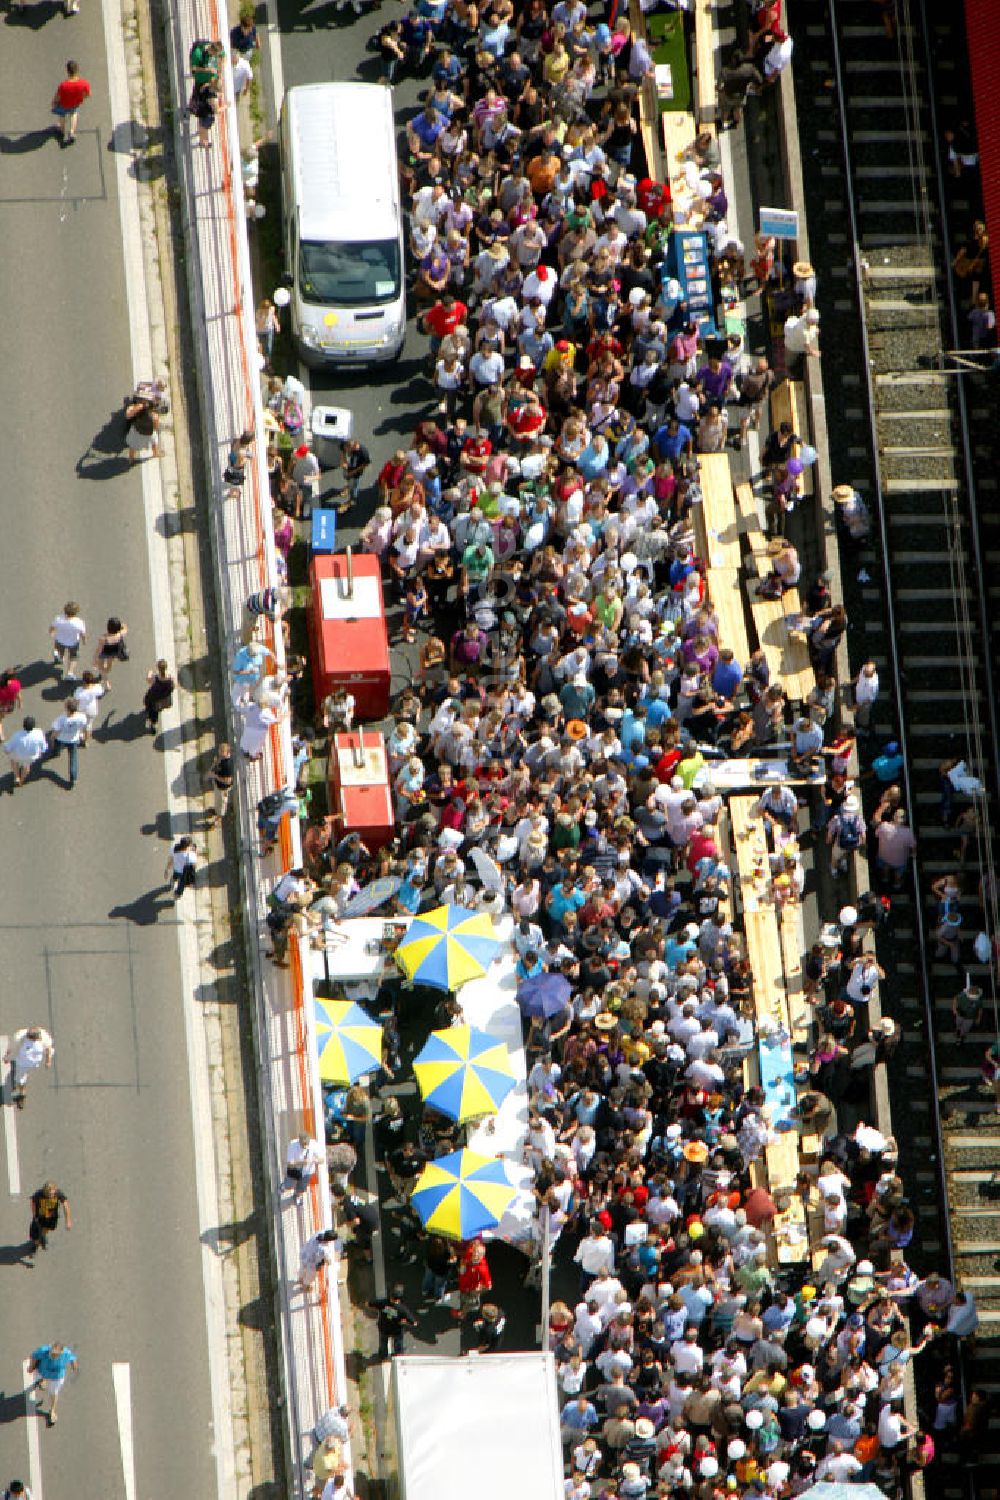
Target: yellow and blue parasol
447, 946
462, 1194
349, 1042
463, 1073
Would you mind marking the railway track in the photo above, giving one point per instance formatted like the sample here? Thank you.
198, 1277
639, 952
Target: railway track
919, 596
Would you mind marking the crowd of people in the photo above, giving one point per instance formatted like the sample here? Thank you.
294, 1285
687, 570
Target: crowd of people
571, 688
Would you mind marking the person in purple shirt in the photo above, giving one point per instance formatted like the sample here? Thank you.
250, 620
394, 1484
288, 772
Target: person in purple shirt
716, 379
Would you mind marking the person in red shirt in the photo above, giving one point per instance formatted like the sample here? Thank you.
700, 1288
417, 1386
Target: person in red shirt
473, 1279
447, 314
67, 99
10, 693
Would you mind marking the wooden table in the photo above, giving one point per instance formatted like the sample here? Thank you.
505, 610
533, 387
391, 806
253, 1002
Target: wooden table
725, 589
678, 133
716, 515
704, 55
765, 953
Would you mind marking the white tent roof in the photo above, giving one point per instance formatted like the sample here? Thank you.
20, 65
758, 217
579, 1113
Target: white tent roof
487, 1425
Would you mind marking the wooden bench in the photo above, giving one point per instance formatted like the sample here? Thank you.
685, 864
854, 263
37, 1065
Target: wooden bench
788, 404
751, 527
786, 651
704, 63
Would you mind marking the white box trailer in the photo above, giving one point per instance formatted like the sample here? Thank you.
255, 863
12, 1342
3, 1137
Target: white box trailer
485, 1425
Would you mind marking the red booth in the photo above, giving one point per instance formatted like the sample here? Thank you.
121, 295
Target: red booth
350, 642
359, 786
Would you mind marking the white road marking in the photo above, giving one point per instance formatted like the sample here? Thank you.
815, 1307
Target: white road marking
173, 768
10, 1131
34, 1446
121, 1375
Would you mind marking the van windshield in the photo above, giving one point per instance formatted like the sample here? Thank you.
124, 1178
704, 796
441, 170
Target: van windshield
349, 273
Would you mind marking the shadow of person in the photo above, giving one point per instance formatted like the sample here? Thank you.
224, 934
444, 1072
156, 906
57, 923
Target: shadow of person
109, 467
146, 909
31, 140
131, 726
14, 1406
17, 1255
33, 17
227, 1237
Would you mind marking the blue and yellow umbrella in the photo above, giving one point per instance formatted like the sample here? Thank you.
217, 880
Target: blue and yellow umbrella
448, 946
349, 1042
463, 1073
462, 1194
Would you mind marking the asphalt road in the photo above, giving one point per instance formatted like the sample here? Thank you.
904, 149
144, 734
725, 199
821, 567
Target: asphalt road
89, 932
318, 43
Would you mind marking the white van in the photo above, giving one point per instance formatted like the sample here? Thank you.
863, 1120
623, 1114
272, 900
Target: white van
343, 225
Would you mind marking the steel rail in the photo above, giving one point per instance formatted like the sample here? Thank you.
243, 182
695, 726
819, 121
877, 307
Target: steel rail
890, 611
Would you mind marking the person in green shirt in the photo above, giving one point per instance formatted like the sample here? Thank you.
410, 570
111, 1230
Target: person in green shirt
205, 61
688, 768
477, 565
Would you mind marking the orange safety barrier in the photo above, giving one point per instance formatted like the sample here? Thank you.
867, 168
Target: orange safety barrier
280, 771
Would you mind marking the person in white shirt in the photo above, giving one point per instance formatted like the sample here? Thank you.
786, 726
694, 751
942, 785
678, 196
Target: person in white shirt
68, 633
181, 865
319, 1250
839, 1467
687, 1355
242, 75
69, 732
605, 1290
87, 696
26, 747
588, 1325
595, 1253
31, 1048
302, 1159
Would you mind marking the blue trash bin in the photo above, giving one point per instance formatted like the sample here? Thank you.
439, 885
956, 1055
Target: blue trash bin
324, 531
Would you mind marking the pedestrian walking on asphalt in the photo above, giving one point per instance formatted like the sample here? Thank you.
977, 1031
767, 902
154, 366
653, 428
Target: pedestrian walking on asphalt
68, 732
17, 1489
68, 633
394, 1317
10, 693
52, 1363
26, 747
159, 694
221, 778
87, 697
66, 101
354, 462
45, 1206
30, 1048
143, 435
181, 865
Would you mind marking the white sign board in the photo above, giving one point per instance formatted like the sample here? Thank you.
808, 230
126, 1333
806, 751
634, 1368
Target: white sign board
782, 223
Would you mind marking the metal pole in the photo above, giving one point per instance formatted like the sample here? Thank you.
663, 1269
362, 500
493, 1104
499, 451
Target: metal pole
546, 1270
350, 574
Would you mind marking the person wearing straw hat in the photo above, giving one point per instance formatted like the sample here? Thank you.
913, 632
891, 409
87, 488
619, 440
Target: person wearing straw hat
804, 282
854, 514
